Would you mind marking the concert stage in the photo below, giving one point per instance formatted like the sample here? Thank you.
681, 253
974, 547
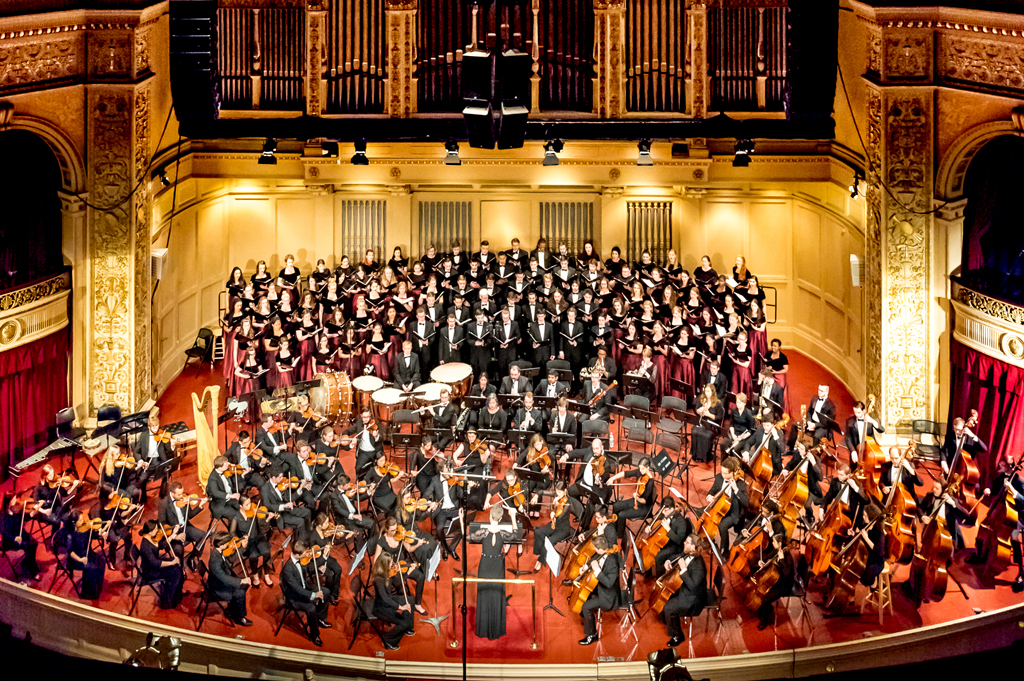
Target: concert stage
720, 645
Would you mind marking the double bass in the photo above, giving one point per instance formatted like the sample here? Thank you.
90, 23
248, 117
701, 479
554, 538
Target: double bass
900, 512
795, 489
821, 543
928, 574
853, 561
653, 539
993, 542
964, 466
871, 459
761, 471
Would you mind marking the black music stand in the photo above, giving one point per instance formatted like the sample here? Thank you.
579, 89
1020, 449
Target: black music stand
518, 438
581, 408
532, 372
509, 400
565, 375
439, 433
474, 403
636, 384
544, 402
406, 441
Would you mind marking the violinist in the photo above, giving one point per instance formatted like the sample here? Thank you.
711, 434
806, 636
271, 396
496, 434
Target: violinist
735, 488
711, 411
597, 394
959, 438
536, 457
243, 453
117, 475
528, 417
280, 501
257, 546
222, 492
270, 438
304, 422
690, 599
52, 495
843, 486
301, 464
380, 477
223, 585
82, 557
900, 467
154, 454
449, 491
366, 437
388, 604
303, 594
390, 542
425, 461
510, 495
328, 446
606, 565
742, 428
16, 536
859, 428
410, 512
345, 506
637, 502
475, 456
806, 460
322, 537
591, 475
559, 528
786, 564
160, 564
178, 509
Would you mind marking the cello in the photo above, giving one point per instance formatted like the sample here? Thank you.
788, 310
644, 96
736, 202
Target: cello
794, 488
853, 559
746, 552
585, 584
715, 512
928, 574
584, 551
653, 539
993, 542
900, 512
761, 471
821, 544
766, 577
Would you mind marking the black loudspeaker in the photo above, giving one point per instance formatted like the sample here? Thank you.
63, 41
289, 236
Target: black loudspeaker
812, 29
663, 463
477, 78
193, 59
481, 128
513, 78
512, 126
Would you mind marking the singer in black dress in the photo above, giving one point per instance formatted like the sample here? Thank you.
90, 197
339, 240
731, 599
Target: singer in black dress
490, 598
710, 411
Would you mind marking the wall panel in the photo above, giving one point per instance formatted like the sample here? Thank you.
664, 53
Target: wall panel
251, 234
726, 226
296, 220
807, 247
770, 237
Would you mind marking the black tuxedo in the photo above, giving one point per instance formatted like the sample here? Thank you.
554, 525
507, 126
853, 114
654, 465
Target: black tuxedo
169, 514
606, 596
546, 348
691, 599
826, 414
423, 347
536, 426
720, 382
561, 388
776, 394
854, 500
274, 500
217, 491
406, 372
737, 510
298, 591
522, 385
223, 585
601, 406
446, 338
505, 356
852, 438
479, 355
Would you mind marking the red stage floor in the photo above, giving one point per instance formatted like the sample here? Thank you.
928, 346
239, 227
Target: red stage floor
557, 636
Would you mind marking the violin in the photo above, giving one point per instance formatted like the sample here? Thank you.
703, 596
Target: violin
119, 502
402, 566
310, 554
315, 459
63, 481
417, 505
515, 493
259, 512
354, 488
404, 535
192, 500
125, 461
233, 545
641, 485
162, 436
87, 524
388, 469
540, 457
560, 506
309, 414
289, 483
278, 427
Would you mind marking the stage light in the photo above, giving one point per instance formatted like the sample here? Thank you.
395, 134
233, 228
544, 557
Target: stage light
164, 180
552, 148
267, 158
644, 159
744, 148
452, 157
855, 187
359, 158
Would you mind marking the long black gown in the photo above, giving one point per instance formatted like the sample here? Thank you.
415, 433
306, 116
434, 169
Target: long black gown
490, 598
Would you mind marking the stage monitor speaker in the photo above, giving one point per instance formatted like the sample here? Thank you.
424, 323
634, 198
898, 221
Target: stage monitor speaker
477, 76
513, 78
193, 59
512, 126
481, 128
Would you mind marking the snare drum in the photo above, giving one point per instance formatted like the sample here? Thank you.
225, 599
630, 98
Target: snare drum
456, 375
386, 402
365, 386
333, 397
428, 394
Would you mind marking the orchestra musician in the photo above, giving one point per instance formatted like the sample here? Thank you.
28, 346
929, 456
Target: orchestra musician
177, 509
277, 497
712, 412
388, 604
367, 441
900, 468
606, 565
16, 536
767, 434
344, 503
304, 422
560, 527
551, 387
159, 564
784, 586
406, 369
270, 441
736, 488
959, 438
876, 541
328, 446
492, 417
597, 395
640, 502
536, 457
153, 453
322, 537
448, 490
844, 486
514, 383
678, 528
713, 376
528, 417
425, 461
388, 542
770, 393
410, 512
223, 585
742, 428
952, 511
692, 596
589, 482
83, 558
303, 594
821, 415
242, 453
257, 547
859, 428
380, 477
222, 492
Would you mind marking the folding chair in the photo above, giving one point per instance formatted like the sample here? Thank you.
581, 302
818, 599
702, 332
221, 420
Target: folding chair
286, 609
926, 435
206, 598
202, 348
637, 430
138, 581
63, 571
363, 607
595, 428
670, 406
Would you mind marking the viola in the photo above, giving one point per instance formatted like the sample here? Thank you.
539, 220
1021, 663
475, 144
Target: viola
597, 464
417, 505
162, 436
584, 585
119, 502
315, 459
540, 457
560, 505
192, 500
289, 483
388, 469
515, 493
259, 512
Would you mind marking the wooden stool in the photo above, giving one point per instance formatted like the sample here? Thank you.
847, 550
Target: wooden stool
881, 595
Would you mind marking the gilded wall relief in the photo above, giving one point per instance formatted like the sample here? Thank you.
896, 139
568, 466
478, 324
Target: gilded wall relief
908, 56
400, 97
983, 62
41, 61
873, 248
141, 248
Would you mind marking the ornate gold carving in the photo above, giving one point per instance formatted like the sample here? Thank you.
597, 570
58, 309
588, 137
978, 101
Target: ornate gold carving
697, 61
399, 82
1012, 345
982, 62
9, 332
41, 61
990, 306
316, 67
141, 52
907, 56
875, 51
614, 174
141, 249
6, 115
395, 172
609, 58
30, 294
873, 248
905, 306
110, 55
401, 4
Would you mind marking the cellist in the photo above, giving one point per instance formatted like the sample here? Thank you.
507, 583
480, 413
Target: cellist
736, 489
766, 435
678, 528
951, 511
802, 458
849, 491
692, 597
606, 566
783, 586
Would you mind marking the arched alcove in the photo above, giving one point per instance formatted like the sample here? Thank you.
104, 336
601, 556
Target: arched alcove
30, 223
993, 243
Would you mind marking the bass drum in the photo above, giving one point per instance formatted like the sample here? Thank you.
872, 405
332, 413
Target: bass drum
457, 375
333, 397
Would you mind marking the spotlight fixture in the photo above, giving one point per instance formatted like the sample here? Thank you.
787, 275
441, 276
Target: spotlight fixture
744, 148
359, 158
452, 157
164, 180
552, 148
644, 159
855, 187
267, 158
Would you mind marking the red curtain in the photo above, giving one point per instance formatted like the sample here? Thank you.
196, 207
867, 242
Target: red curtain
996, 390
33, 388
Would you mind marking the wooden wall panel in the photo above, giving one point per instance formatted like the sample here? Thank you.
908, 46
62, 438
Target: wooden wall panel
502, 220
835, 270
769, 241
726, 226
295, 223
807, 247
